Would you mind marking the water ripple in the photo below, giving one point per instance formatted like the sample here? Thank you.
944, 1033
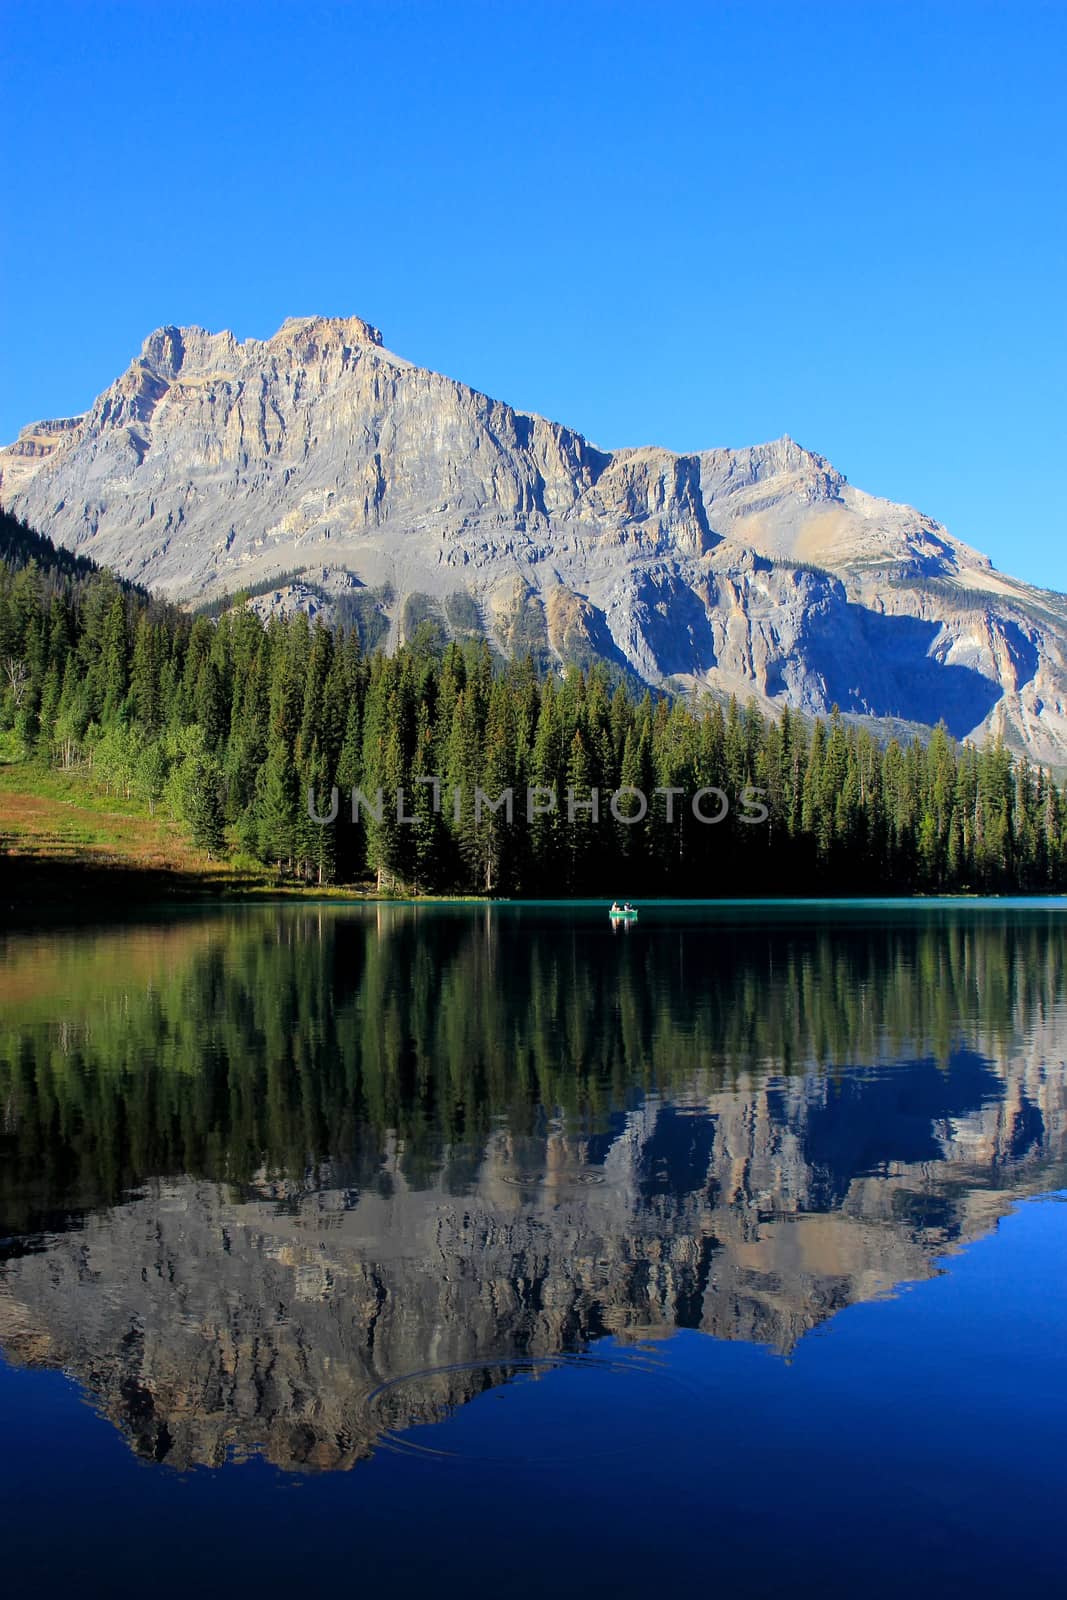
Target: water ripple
399, 1404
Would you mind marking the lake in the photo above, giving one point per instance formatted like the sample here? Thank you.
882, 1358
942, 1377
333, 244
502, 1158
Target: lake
477, 1250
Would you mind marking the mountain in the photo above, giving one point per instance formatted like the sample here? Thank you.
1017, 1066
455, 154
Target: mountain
317, 469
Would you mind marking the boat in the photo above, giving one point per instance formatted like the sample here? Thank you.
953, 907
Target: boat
626, 913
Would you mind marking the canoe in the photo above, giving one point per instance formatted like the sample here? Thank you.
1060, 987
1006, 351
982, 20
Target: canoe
623, 916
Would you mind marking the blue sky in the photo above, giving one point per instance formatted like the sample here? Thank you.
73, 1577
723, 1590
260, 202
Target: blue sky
674, 224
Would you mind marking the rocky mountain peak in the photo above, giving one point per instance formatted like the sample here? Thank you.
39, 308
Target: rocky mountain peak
171, 351
390, 494
328, 330
164, 350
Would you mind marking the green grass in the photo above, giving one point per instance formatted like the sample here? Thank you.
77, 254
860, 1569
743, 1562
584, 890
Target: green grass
64, 843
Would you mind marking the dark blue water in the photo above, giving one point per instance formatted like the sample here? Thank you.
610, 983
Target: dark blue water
499, 1252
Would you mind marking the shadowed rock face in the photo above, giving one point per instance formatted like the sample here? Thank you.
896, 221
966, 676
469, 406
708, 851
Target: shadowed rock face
212, 465
738, 1155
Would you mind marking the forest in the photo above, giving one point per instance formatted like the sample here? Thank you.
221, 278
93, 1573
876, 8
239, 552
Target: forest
228, 721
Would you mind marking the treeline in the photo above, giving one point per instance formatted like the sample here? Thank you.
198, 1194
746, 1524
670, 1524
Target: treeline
230, 722
20, 544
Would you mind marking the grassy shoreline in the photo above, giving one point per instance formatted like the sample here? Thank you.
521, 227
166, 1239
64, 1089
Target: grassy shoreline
61, 843
69, 852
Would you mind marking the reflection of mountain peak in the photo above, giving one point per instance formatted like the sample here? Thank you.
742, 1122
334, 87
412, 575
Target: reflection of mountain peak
206, 1325
405, 1166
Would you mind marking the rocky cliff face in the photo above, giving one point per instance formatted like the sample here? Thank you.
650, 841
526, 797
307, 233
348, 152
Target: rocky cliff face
213, 466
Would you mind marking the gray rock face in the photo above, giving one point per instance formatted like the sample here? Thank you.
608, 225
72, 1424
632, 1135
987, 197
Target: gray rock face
212, 466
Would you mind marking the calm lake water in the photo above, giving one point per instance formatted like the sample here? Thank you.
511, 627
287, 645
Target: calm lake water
475, 1251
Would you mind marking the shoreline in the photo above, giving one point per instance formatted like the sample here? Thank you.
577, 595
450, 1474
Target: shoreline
26, 915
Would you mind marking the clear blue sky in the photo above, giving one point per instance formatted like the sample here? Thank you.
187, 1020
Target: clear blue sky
688, 225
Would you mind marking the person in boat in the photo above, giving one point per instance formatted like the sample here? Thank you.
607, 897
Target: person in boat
627, 906
614, 908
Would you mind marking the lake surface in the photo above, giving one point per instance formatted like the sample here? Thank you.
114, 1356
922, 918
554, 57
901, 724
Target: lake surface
497, 1251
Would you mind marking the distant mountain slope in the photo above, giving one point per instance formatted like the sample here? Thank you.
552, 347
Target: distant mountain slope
212, 466
20, 544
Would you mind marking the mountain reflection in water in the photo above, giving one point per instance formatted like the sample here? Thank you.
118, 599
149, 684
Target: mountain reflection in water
290, 1181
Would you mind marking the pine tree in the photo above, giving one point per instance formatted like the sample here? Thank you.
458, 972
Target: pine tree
278, 806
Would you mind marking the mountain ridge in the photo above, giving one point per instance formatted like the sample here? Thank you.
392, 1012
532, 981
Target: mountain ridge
213, 465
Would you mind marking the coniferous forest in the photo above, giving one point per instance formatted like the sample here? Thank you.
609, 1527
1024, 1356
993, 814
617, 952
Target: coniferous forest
228, 722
